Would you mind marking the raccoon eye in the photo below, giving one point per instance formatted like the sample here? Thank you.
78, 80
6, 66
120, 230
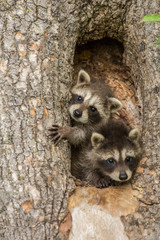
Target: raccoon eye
129, 159
110, 160
93, 109
79, 99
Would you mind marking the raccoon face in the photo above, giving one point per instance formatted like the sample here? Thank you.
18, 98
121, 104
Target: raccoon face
117, 163
87, 108
87, 105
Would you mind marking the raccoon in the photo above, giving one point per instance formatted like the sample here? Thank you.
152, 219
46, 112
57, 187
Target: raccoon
91, 105
111, 156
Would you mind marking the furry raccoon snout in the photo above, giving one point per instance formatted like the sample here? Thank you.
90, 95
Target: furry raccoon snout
77, 113
123, 176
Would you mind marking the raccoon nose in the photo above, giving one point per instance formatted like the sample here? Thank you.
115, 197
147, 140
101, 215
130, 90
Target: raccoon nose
77, 113
123, 176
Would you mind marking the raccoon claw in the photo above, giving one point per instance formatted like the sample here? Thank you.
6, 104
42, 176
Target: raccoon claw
57, 133
101, 183
56, 139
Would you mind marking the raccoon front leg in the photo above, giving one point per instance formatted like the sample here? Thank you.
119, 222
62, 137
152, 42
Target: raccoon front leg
74, 135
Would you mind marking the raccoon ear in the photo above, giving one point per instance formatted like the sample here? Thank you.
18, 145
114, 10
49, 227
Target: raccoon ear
96, 139
134, 134
83, 77
115, 104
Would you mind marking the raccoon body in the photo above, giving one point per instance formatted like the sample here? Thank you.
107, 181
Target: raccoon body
110, 157
91, 105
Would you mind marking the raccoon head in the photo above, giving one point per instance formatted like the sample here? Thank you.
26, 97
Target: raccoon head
117, 162
88, 104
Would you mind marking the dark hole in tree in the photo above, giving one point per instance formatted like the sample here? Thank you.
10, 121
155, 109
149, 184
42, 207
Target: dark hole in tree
103, 59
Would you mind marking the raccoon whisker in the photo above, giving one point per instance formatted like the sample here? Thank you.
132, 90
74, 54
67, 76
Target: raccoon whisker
91, 121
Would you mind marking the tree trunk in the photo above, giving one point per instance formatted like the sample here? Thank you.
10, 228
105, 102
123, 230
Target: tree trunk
38, 42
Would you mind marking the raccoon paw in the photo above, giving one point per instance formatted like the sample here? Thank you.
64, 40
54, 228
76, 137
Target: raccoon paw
101, 182
57, 133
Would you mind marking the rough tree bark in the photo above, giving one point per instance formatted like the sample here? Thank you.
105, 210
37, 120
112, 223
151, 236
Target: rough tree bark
38, 40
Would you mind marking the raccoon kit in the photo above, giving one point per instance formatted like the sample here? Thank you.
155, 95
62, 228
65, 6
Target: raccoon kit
111, 156
91, 105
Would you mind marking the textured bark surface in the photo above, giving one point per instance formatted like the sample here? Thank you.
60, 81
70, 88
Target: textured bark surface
36, 56
37, 50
